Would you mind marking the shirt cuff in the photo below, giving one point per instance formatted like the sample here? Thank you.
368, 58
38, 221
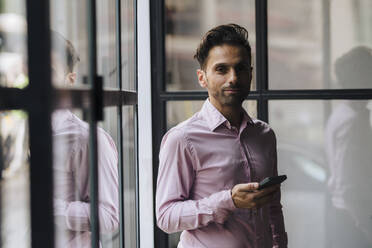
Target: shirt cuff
223, 206
226, 200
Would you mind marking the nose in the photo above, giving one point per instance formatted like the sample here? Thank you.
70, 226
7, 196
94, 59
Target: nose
233, 77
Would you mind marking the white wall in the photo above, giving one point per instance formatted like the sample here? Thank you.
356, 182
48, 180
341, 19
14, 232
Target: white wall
144, 125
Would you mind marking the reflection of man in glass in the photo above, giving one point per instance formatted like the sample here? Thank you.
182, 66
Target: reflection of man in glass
211, 163
71, 164
348, 144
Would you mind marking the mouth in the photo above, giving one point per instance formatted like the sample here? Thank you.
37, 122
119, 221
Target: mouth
232, 91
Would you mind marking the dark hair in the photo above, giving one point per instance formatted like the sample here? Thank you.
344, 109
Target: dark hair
354, 67
231, 34
65, 50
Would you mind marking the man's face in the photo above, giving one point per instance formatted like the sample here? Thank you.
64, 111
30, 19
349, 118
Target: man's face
60, 74
227, 75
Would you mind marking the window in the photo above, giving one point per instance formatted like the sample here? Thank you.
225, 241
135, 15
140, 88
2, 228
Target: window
68, 122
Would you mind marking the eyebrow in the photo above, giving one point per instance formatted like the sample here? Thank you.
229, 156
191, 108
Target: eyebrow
225, 64
220, 64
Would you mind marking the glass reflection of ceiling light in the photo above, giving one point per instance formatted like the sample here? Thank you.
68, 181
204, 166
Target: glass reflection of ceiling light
310, 168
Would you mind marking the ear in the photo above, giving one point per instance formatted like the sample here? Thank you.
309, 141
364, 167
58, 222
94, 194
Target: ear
71, 77
202, 78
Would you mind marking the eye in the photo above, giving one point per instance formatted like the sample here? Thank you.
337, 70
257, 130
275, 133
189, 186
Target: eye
221, 69
242, 68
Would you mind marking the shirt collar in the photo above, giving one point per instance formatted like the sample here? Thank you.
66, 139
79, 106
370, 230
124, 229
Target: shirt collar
59, 117
215, 118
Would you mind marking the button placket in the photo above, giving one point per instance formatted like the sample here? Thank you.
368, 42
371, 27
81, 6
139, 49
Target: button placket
246, 154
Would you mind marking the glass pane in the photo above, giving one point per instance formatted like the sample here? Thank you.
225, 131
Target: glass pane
109, 179
106, 42
326, 156
13, 44
69, 40
303, 54
185, 24
130, 177
251, 108
71, 179
178, 111
15, 184
128, 46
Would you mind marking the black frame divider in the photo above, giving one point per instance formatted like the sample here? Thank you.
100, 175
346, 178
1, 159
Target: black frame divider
157, 30
41, 175
95, 114
136, 143
262, 58
120, 124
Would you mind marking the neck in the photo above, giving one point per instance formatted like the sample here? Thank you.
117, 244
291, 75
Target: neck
233, 113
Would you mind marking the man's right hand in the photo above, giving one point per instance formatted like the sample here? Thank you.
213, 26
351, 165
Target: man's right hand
248, 195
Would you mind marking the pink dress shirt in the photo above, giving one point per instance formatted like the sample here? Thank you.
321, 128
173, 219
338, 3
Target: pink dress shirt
71, 181
201, 159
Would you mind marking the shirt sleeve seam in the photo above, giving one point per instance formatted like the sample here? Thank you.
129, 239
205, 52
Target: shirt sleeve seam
191, 148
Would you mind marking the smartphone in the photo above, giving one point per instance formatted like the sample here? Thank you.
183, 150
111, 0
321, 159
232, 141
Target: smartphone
270, 181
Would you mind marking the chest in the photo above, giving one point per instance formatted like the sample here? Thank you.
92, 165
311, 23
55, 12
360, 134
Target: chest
224, 160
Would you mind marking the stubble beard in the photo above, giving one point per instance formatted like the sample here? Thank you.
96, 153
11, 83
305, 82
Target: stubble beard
229, 101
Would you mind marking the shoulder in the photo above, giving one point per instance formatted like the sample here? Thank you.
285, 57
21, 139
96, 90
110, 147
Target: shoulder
186, 128
262, 128
341, 116
79, 132
180, 134
72, 134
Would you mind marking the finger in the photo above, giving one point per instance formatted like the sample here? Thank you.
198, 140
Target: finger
267, 191
264, 200
248, 187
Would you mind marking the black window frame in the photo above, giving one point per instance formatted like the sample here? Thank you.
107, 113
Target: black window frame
40, 98
160, 96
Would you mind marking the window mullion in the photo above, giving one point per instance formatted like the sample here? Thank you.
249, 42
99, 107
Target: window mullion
262, 58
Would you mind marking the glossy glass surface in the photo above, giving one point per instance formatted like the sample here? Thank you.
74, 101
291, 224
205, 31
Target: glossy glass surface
130, 177
69, 41
326, 157
14, 182
13, 44
106, 43
128, 46
307, 39
71, 168
110, 238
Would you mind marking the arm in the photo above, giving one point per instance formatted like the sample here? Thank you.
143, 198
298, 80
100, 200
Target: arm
175, 211
276, 214
76, 214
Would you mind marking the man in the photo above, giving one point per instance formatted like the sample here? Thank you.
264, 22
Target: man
211, 163
71, 164
348, 139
